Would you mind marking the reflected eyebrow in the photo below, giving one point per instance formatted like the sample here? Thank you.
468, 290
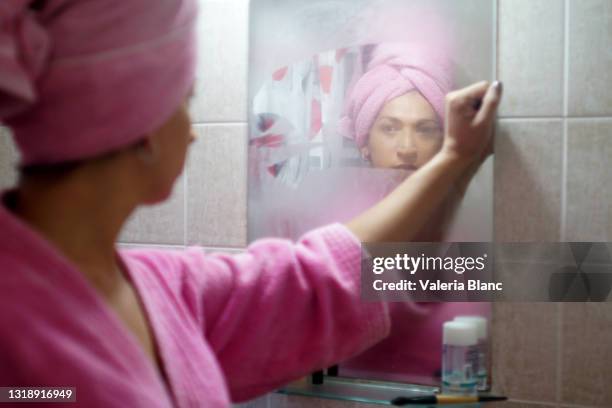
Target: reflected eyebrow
416, 123
427, 122
391, 118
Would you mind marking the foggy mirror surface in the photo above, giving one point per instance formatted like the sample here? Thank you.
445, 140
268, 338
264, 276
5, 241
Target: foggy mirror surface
346, 100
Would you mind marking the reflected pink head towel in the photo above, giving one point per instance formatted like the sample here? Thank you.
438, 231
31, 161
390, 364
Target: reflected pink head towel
82, 78
394, 70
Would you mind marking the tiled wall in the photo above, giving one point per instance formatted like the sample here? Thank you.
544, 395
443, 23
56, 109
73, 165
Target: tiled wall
553, 181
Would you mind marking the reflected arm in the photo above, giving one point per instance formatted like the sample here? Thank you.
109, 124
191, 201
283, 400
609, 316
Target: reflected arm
404, 212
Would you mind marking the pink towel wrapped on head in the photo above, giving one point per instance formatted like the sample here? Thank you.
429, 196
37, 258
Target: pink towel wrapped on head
83, 78
394, 70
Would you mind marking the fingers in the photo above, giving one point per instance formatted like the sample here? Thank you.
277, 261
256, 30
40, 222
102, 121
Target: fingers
480, 99
465, 100
470, 114
473, 91
490, 102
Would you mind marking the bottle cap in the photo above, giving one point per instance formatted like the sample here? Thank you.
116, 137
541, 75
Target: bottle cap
459, 334
479, 321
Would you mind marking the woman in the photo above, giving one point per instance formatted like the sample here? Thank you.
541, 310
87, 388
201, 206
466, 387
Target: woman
96, 96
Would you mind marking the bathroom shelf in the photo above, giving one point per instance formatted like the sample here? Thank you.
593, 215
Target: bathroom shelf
364, 391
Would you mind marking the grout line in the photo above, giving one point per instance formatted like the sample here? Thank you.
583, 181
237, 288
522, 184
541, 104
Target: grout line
220, 123
148, 245
245, 135
185, 205
563, 237
563, 223
209, 248
588, 118
495, 124
541, 119
559, 372
496, 40
554, 117
566, 23
246, 179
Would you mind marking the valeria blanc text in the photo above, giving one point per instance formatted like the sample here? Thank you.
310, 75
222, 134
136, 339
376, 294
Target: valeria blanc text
437, 285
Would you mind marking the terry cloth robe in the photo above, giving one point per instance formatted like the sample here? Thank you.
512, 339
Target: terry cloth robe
227, 328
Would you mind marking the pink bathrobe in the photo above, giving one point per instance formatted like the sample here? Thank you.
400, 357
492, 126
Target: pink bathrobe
228, 328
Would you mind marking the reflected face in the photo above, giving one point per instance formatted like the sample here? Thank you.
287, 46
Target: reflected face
405, 135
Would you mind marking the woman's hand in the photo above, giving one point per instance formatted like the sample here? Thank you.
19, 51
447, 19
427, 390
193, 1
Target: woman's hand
470, 114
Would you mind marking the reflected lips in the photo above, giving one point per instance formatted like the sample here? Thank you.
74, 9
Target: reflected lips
408, 167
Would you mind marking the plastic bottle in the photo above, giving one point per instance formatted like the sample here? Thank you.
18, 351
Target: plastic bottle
459, 352
482, 362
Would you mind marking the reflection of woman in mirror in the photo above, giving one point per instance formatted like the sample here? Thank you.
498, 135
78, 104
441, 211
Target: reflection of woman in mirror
395, 113
395, 110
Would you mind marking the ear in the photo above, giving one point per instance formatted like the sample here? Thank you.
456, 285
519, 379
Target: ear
365, 153
147, 151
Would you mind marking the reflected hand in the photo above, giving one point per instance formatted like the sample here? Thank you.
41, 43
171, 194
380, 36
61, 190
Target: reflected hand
470, 114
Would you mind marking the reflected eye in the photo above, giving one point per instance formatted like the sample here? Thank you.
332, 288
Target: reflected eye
429, 130
389, 128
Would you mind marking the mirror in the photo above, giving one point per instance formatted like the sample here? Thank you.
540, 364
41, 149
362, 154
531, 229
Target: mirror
346, 101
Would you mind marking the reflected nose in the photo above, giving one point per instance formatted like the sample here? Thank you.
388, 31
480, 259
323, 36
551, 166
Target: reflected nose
406, 148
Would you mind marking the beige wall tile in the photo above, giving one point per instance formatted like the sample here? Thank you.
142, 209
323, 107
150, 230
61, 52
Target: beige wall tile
590, 59
217, 187
525, 282
589, 180
514, 404
527, 185
587, 357
159, 224
531, 57
524, 350
221, 85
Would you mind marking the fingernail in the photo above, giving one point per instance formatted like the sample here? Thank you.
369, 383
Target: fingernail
499, 87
